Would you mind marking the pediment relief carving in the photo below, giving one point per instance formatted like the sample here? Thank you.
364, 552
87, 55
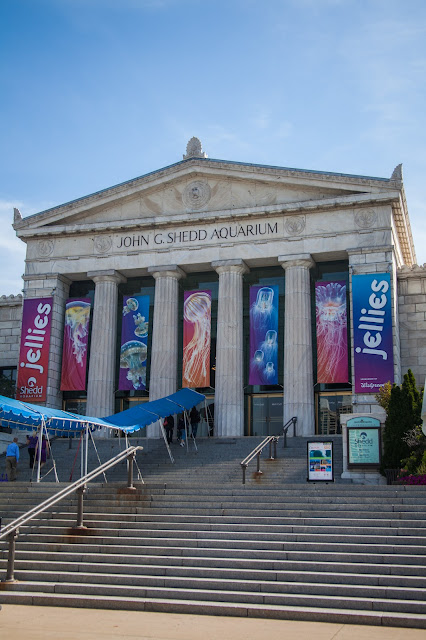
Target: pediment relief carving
175, 193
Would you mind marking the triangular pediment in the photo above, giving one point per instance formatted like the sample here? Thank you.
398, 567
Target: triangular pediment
200, 186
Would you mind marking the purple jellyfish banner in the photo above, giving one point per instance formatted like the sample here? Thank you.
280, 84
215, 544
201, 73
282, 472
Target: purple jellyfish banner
332, 332
263, 335
134, 343
373, 342
74, 353
196, 338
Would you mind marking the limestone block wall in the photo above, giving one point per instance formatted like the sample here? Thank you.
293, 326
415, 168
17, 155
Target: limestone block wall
10, 330
412, 320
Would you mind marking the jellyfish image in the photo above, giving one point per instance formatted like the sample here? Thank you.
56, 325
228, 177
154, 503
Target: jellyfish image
270, 345
77, 323
331, 332
262, 309
258, 356
132, 357
269, 371
131, 305
196, 352
141, 326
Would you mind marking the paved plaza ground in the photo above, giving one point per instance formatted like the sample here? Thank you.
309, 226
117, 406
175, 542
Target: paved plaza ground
19, 622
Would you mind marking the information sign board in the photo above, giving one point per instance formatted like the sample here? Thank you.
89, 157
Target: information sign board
320, 461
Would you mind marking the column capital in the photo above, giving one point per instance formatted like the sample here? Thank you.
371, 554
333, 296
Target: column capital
298, 260
167, 271
230, 266
107, 275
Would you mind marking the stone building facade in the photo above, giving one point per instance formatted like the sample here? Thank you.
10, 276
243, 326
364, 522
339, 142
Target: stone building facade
223, 225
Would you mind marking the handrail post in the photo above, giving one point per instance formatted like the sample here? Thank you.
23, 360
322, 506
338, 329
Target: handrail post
80, 493
258, 463
244, 467
130, 460
270, 449
275, 448
10, 572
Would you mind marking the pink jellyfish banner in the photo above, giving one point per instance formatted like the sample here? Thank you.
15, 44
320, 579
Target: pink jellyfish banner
332, 332
134, 343
263, 335
76, 336
196, 338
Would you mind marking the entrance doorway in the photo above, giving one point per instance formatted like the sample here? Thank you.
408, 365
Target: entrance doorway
266, 414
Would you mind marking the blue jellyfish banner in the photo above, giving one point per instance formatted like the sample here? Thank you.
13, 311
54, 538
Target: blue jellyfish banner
134, 343
263, 335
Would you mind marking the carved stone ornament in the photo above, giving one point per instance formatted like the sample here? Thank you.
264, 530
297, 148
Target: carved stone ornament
44, 248
194, 149
295, 225
365, 218
196, 195
103, 244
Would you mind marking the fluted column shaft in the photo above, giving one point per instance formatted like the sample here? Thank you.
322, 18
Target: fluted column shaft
164, 349
101, 384
298, 365
229, 392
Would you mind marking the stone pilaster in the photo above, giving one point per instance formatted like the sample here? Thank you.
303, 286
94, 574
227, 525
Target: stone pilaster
164, 349
298, 365
229, 393
56, 286
101, 385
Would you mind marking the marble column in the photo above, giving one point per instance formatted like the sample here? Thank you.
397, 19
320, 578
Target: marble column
229, 392
101, 384
298, 364
164, 349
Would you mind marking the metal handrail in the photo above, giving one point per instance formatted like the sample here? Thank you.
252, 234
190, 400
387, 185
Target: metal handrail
11, 530
272, 441
292, 421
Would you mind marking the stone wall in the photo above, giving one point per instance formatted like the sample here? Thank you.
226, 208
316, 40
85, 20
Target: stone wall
10, 330
412, 320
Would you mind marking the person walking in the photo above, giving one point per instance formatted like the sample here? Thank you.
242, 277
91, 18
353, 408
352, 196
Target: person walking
12, 457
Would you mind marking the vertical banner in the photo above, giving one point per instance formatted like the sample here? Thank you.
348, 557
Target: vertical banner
263, 335
134, 343
332, 332
196, 338
76, 336
373, 344
34, 351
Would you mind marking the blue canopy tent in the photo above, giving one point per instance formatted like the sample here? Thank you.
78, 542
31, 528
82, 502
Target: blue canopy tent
146, 413
24, 416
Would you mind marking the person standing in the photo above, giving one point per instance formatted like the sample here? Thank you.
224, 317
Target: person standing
194, 418
169, 425
32, 443
12, 457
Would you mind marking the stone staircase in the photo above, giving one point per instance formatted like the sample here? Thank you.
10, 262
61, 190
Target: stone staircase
198, 541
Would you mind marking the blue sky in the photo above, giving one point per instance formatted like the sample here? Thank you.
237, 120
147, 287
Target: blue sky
97, 92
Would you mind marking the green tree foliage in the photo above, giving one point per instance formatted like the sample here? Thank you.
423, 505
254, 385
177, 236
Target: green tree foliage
403, 414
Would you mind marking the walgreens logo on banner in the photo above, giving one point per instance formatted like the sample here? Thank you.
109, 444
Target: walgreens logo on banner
34, 352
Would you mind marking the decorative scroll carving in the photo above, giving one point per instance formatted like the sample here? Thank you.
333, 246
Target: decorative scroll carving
103, 244
365, 218
44, 248
196, 195
295, 225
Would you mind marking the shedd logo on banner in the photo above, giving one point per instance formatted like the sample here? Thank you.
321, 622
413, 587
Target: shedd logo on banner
34, 352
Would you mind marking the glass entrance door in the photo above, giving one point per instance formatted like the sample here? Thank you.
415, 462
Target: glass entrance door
267, 415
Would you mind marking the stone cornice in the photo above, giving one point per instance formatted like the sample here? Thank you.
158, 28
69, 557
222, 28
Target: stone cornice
11, 301
416, 271
340, 202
